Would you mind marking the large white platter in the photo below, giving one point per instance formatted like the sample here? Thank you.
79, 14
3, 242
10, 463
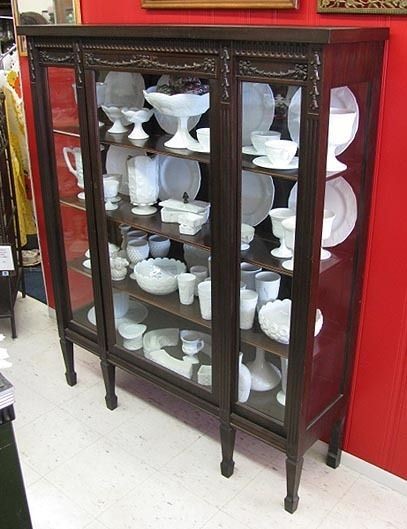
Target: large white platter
258, 109
124, 89
178, 176
257, 197
116, 162
136, 314
341, 97
339, 198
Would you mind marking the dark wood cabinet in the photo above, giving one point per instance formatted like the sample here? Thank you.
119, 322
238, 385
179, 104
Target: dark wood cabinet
285, 378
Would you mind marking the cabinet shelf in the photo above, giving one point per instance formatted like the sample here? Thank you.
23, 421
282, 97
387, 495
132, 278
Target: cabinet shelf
154, 145
170, 304
70, 130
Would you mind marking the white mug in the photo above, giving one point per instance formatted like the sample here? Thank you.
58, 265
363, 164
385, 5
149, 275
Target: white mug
280, 152
247, 274
267, 287
191, 343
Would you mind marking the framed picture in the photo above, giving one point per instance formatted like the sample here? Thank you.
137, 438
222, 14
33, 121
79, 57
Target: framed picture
32, 12
372, 7
220, 4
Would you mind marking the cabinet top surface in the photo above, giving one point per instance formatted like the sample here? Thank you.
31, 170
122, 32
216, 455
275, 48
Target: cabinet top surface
322, 35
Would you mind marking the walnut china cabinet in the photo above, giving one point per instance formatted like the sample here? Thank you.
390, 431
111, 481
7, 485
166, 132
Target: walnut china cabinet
267, 346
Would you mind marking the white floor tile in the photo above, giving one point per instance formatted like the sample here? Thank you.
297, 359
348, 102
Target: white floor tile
30, 476
371, 505
223, 521
50, 509
29, 405
153, 436
99, 475
96, 525
158, 504
89, 407
197, 469
52, 439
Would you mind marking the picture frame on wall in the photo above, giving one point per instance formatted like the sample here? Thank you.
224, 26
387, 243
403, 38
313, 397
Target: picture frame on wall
35, 12
360, 7
220, 4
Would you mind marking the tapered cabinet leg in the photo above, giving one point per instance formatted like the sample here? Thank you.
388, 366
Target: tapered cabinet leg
293, 469
13, 325
333, 459
109, 376
227, 439
67, 352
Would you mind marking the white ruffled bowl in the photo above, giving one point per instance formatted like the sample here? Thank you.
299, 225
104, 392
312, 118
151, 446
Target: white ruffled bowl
159, 276
274, 319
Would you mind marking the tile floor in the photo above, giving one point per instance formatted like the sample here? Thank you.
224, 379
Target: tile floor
153, 463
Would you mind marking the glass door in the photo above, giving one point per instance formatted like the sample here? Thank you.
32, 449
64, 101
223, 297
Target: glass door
270, 118
155, 190
69, 188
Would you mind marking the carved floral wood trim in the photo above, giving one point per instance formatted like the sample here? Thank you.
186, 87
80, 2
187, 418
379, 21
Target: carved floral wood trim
297, 71
373, 7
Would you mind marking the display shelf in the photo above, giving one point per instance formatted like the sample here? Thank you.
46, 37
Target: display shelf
68, 130
247, 164
154, 145
73, 201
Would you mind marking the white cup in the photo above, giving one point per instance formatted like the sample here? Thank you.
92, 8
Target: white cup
248, 302
259, 138
205, 299
159, 246
280, 152
120, 304
201, 273
247, 274
203, 136
186, 288
267, 287
191, 343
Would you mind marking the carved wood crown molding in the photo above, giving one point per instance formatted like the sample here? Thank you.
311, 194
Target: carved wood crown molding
57, 57
287, 50
53, 44
297, 72
157, 46
225, 74
146, 62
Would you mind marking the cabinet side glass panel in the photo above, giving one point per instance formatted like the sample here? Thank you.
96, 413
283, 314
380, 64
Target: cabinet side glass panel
270, 115
155, 176
342, 217
69, 186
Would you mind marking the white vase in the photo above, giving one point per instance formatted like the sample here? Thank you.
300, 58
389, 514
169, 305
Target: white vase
265, 376
245, 381
283, 391
143, 184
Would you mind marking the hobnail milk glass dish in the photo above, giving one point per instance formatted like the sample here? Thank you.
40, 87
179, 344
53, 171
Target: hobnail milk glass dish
159, 276
137, 250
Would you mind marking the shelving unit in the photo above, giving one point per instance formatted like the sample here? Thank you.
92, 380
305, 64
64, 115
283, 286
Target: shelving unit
10, 281
244, 68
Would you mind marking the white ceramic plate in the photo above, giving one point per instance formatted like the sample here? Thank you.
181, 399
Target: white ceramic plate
249, 149
341, 97
124, 89
339, 198
169, 123
87, 264
257, 197
197, 147
258, 109
178, 176
136, 314
263, 161
116, 162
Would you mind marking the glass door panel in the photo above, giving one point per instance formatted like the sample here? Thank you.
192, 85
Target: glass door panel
154, 170
71, 196
270, 116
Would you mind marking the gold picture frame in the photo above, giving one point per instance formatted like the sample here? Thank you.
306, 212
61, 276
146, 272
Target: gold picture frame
220, 4
64, 12
363, 7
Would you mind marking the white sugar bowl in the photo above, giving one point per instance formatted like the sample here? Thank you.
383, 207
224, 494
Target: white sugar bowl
159, 246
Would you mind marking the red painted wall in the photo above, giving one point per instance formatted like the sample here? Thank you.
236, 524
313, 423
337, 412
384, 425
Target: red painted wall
377, 425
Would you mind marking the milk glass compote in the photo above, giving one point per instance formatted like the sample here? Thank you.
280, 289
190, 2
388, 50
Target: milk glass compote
277, 216
339, 133
289, 236
329, 217
111, 184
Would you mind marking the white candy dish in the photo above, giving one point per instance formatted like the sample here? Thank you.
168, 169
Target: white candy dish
137, 116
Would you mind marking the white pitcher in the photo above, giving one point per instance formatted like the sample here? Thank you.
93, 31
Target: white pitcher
77, 168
